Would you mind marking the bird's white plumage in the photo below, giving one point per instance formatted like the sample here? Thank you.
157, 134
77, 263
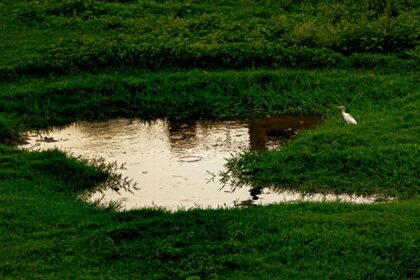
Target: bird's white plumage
347, 117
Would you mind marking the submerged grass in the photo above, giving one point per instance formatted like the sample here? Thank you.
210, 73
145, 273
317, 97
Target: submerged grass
64, 61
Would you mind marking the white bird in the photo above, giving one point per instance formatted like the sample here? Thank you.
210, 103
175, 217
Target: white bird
347, 117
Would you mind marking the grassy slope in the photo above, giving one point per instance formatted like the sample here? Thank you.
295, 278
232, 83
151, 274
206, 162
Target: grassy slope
201, 94
380, 155
44, 37
47, 233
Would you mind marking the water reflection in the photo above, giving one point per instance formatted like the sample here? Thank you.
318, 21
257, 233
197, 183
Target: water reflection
268, 133
177, 164
182, 135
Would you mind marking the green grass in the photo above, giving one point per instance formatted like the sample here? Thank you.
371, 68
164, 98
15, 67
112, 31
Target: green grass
378, 156
73, 36
200, 94
47, 235
64, 61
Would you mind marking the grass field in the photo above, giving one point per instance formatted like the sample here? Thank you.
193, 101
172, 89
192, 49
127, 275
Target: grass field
64, 61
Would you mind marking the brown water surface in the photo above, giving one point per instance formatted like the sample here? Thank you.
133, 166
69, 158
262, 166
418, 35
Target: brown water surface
177, 164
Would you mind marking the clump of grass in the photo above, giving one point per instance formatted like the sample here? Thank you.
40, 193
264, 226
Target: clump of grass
82, 56
73, 175
381, 36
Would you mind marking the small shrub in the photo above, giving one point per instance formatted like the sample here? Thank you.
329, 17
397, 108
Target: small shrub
363, 60
113, 22
32, 13
383, 35
278, 26
403, 32
8, 130
312, 34
387, 7
71, 7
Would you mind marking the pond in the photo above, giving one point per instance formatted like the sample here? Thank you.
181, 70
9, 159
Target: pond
178, 165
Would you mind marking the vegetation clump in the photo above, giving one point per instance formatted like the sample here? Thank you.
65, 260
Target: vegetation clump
166, 35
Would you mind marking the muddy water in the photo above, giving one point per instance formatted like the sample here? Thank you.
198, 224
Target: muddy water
177, 164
